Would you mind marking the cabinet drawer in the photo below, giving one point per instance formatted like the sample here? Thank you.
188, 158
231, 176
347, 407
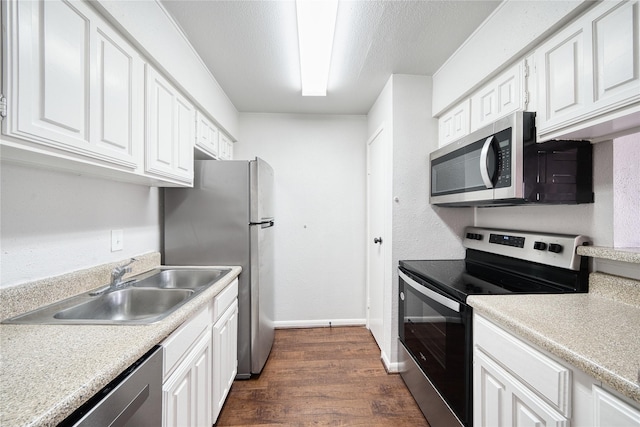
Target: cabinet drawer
177, 345
549, 379
224, 299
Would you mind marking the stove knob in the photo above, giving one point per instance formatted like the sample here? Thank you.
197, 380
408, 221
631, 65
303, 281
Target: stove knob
539, 246
555, 248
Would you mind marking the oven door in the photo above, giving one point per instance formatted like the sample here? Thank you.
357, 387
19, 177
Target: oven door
435, 330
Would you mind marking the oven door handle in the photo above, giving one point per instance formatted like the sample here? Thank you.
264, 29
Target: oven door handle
441, 299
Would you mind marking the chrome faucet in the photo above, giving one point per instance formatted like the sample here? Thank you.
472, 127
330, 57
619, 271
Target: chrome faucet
119, 271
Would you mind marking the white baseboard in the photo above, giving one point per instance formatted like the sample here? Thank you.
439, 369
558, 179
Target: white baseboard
290, 324
392, 368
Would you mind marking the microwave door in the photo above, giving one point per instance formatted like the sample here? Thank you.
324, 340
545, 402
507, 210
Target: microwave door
466, 174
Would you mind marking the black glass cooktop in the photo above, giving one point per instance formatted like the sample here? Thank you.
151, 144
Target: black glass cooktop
451, 277
482, 274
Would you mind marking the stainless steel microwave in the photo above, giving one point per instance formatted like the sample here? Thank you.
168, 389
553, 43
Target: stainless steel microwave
501, 164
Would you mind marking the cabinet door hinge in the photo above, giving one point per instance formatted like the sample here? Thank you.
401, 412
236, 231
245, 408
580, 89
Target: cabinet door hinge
3, 107
526, 98
526, 69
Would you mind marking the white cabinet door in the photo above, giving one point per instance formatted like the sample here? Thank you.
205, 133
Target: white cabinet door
502, 96
226, 147
117, 111
501, 400
170, 129
207, 135
590, 71
608, 410
616, 57
187, 392
225, 356
51, 60
563, 92
73, 84
489, 396
454, 124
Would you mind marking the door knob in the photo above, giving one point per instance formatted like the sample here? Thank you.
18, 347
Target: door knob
377, 240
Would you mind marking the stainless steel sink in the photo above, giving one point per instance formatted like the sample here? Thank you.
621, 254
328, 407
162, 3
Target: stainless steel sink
142, 299
179, 278
127, 304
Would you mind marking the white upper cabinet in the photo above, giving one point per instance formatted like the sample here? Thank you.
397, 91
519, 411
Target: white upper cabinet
501, 96
78, 98
170, 130
117, 106
207, 136
454, 124
226, 147
589, 73
73, 84
504, 95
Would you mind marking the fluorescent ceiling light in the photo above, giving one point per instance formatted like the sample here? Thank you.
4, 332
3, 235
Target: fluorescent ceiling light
316, 25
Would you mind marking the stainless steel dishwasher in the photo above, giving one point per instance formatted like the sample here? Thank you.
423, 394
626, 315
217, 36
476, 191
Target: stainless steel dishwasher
133, 399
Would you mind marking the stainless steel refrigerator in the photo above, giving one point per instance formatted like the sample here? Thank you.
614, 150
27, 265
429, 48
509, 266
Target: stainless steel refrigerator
227, 218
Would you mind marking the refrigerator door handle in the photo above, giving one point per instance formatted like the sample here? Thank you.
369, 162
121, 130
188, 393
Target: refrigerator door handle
269, 222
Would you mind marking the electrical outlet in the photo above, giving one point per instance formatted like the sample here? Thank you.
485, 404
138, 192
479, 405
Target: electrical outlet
117, 240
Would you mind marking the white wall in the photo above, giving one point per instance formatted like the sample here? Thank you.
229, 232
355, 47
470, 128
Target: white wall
319, 164
53, 223
592, 219
419, 230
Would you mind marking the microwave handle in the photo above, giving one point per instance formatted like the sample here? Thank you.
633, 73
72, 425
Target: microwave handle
484, 162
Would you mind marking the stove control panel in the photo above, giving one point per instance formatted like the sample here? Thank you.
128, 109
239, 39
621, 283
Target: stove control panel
552, 249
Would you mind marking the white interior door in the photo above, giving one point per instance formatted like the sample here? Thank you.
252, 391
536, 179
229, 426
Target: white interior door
376, 238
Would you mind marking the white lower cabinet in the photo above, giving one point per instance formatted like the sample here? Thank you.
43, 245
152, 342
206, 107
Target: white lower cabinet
187, 392
504, 401
200, 363
609, 411
225, 356
516, 384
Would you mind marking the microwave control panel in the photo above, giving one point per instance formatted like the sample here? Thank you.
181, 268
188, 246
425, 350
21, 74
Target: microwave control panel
504, 159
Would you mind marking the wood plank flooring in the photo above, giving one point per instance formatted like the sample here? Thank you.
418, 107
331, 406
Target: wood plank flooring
322, 377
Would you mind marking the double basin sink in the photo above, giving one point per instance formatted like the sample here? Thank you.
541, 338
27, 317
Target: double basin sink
146, 298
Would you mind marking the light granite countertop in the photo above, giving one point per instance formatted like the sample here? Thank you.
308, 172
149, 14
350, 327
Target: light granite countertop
631, 255
598, 332
48, 371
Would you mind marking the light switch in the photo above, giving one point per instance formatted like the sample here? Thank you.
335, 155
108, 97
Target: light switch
117, 240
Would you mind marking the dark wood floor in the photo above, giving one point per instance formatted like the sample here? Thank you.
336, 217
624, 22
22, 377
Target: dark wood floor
325, 377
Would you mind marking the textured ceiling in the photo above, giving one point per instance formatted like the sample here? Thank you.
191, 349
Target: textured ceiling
251, 48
